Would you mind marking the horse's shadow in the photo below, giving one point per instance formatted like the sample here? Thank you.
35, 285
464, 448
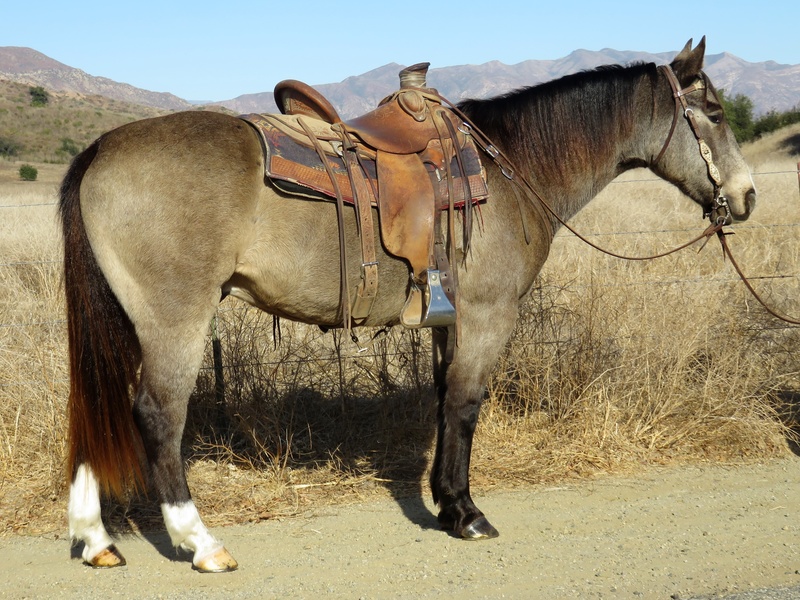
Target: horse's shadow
789, 413
389, 437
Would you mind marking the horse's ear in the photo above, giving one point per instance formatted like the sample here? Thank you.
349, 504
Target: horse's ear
688, 63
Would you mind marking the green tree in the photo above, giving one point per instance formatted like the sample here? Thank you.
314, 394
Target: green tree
28, 173
739, 113
39, 96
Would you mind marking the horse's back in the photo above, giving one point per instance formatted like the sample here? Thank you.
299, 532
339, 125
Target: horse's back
194, 155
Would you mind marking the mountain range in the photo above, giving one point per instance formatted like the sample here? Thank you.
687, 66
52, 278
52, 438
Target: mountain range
771, 86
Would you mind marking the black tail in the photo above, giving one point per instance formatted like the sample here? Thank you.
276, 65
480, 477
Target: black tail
104, 355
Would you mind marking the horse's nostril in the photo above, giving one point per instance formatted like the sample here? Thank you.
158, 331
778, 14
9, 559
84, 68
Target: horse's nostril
750, 200
749, 206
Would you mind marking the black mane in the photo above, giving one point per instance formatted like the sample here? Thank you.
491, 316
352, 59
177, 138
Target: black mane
587, 112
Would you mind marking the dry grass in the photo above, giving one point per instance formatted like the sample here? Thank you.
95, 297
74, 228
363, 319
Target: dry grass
614, 365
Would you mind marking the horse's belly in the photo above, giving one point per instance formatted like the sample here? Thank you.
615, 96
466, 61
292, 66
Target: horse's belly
292, 269
298, 306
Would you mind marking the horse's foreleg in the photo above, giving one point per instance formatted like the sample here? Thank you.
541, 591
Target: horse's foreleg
160, 413
460, 388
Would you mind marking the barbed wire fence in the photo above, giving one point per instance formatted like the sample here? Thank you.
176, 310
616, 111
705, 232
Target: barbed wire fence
369, 354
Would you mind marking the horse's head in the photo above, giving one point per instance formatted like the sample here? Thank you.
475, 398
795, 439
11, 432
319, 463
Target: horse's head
700, 154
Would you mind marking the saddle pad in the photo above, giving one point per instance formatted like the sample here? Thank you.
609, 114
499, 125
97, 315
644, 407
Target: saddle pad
294, 165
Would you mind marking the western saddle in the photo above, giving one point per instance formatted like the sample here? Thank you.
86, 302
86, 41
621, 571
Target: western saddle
411, 158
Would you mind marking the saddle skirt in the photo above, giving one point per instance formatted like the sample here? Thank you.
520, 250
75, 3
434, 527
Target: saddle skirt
294, 165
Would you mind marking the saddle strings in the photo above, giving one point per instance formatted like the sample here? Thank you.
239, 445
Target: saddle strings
344, 288
467, 189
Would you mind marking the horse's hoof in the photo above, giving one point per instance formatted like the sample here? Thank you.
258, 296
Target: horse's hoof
107, 558
479, 529
219, 562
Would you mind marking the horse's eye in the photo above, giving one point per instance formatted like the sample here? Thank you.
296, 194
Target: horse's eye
716, 118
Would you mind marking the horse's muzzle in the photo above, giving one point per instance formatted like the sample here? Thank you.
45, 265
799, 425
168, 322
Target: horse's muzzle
725, 212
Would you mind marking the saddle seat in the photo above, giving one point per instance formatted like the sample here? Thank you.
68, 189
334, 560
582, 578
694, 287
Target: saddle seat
408, 157
402, 123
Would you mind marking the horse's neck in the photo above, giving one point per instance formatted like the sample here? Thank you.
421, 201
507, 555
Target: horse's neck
575, 150
568, 198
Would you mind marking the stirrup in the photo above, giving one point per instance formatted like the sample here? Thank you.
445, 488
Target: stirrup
428, 306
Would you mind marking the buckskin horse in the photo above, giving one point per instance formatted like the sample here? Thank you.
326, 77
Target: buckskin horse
163, 217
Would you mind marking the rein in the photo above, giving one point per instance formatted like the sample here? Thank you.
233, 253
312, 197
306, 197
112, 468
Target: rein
718, 212
727, 252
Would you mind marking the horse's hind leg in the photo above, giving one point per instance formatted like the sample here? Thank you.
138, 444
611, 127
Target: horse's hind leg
170, 361
85, 522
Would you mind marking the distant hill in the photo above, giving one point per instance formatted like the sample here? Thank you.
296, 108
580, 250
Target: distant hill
24, 65
770, 85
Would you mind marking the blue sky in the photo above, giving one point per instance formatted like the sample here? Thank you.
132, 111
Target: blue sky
215, 51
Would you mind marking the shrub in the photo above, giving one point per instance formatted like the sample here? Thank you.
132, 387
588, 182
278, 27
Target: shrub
746, 128
774, 120
39, 96
28, 173
68, 146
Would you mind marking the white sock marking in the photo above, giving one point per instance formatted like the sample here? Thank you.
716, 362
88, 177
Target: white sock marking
85, 523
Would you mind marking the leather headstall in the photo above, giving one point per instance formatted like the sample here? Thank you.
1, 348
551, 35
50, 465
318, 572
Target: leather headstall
718, 211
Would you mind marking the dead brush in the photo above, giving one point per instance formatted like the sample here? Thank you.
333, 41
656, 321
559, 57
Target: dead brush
602, 398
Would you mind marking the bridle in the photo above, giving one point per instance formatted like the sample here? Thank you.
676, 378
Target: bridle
718, 211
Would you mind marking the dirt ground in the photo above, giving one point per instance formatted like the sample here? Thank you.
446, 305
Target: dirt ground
675, 532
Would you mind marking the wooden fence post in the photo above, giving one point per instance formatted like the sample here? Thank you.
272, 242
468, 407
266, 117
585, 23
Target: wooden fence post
219, 376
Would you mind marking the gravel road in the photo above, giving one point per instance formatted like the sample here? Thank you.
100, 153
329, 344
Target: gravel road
681, 532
